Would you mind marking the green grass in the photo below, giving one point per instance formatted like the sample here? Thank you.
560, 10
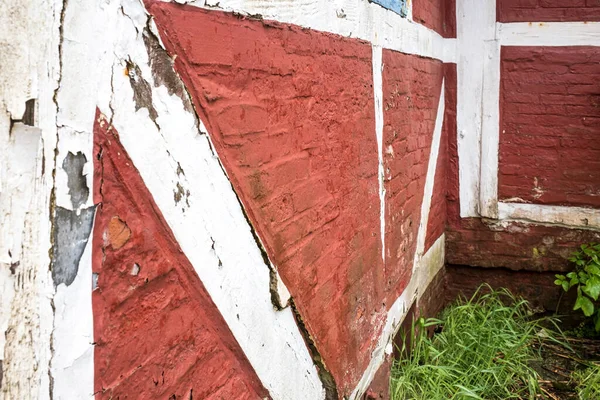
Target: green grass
588, 382
484, 351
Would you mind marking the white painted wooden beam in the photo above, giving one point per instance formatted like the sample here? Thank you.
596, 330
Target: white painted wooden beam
475, 26
572, 217
548, 33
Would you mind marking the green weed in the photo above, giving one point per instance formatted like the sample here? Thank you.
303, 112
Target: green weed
484, 351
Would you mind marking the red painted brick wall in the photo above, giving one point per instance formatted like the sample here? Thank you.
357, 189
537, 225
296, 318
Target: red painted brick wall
157, 332
547, 10
438, 214
481, 243
411, 91
291, 114
439, 15
550, 125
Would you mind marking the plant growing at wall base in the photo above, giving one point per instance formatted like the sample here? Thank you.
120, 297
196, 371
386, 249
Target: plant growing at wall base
586, 278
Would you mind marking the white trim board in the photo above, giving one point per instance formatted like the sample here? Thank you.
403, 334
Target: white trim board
351, 18
572, 217
548, 33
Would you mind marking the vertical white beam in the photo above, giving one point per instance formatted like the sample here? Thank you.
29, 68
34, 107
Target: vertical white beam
476, 22
378, 93
490, 131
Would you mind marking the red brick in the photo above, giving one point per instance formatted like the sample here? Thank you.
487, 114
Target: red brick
547, 10
548, 135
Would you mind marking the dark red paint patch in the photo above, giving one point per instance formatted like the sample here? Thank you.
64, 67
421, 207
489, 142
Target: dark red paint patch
547, 10
550, 125
158, 334
411, 92
291, 114
439, 15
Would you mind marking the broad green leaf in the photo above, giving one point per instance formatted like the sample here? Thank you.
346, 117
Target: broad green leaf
565, 286
585, 304
570, 275
574, 281
561, 277
592, 287
558, 282
592, 269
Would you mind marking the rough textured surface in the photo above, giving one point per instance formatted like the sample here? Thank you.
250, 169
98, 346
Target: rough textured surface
411, 88
547, 10
484, 243
290, 112
550, 125
438, 213
157, 332
439, 15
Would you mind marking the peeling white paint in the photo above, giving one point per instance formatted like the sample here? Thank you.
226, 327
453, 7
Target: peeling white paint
430, 264
234, 272
548, 33
572, 217
362, 20
28, 70
378, 101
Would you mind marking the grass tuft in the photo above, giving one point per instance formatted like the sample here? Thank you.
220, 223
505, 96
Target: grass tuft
484, 351
588, 382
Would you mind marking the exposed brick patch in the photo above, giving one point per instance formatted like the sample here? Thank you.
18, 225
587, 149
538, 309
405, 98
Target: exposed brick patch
547, 10
411, 91
439, 15
550, 125
291, 114
157, 332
